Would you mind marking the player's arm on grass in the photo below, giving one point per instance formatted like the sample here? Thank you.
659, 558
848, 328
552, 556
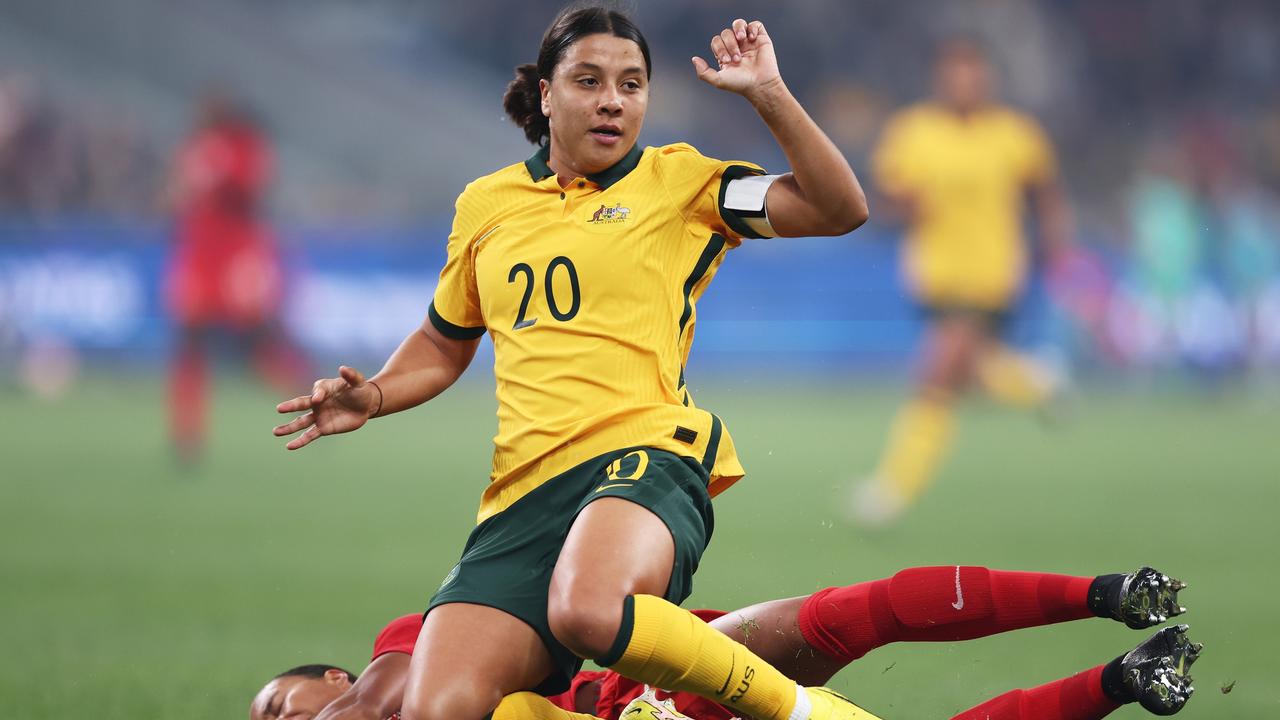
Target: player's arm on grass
821, 195
377, 694
424, 365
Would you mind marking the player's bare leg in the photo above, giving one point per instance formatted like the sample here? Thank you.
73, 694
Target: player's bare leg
921, 431
467, 658
606, 602
1015, 378
615, 549
772, 630
188, 394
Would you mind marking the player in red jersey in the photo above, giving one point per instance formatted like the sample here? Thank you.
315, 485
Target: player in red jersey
811, 638
225, 271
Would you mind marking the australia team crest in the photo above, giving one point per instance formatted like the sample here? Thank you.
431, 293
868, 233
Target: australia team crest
607, 215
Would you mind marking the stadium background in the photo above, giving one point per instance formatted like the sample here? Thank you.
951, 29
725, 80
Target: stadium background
132, 587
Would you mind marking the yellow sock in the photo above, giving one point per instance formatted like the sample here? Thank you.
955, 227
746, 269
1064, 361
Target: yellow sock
919, 438
531, 706
1014, 379
669, 647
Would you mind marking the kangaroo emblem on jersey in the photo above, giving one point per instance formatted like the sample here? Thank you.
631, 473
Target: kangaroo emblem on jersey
609, 215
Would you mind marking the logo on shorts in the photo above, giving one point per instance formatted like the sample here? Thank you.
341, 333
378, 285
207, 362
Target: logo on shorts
624, 471
610, 215
453, 575
630, 466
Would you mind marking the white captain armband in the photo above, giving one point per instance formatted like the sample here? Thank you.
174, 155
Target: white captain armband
744, 197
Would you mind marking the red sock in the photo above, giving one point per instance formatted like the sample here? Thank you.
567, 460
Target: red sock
1078, 697
937, 604
187, 390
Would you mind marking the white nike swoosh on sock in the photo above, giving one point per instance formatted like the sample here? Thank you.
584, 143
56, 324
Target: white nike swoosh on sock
959, 603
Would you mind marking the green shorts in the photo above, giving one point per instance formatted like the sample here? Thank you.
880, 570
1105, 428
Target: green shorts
508, 560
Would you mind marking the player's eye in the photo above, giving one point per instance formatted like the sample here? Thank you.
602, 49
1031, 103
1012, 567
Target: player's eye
631, 85
588, 82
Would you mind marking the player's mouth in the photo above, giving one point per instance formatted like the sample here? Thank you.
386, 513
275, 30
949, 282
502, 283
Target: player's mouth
607, 134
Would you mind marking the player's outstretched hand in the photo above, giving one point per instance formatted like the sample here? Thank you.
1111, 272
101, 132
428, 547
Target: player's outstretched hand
335, 405
745, 56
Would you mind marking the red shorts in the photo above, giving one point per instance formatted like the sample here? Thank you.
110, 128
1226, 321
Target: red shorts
238, 284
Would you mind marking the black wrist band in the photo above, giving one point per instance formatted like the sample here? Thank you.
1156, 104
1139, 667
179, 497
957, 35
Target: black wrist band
379, 408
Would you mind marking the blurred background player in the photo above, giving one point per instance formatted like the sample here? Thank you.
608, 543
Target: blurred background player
225, 272
956, 170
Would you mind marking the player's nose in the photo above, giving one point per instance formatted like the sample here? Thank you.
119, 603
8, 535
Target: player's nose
611, 104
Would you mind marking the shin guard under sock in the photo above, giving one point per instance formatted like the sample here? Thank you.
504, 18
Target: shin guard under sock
1079, 697
937, 604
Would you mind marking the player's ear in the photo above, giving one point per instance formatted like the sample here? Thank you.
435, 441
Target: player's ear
544, 87
335, 676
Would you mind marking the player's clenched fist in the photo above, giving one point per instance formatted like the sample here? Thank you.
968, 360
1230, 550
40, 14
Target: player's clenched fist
335, 405
744, 54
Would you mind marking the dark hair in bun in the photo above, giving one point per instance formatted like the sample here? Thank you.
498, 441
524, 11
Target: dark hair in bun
523, 99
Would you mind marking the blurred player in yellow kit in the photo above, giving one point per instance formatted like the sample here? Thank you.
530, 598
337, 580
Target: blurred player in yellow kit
957, 170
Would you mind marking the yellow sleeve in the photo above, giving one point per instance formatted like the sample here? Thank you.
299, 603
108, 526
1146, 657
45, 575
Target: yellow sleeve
455, 310
1040, 164
696, 184
891, 158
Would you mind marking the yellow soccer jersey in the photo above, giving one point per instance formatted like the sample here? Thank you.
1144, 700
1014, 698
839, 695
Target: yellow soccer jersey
589, 294
968, 178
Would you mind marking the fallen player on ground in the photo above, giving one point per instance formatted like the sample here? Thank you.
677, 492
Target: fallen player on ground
811, 638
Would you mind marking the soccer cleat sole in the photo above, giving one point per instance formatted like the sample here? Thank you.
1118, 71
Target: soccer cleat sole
1157, 672
1148, 597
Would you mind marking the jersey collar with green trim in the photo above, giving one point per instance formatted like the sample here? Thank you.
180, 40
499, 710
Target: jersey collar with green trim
539, 170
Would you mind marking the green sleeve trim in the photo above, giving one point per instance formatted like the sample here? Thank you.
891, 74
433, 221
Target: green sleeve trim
620, 643
451, 331
709, 254
731, 217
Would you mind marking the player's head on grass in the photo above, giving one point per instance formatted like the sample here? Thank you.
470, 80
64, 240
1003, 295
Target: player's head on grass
588, 92
300, 693
962, 73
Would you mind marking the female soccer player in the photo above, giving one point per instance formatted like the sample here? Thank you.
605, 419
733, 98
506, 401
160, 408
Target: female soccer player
225, 273
583, 264
957, 170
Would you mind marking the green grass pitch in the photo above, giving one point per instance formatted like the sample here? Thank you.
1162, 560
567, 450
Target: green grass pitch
129, 589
